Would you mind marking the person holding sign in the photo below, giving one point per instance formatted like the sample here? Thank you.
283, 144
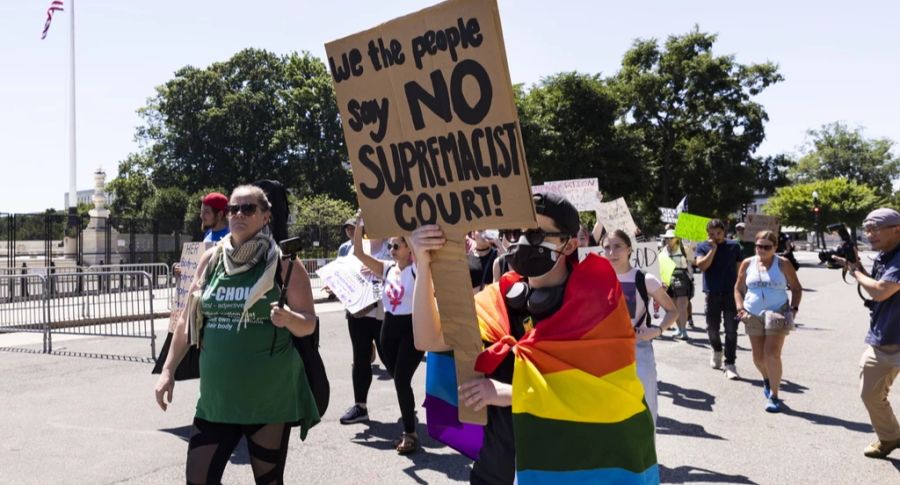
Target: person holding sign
718, 259
252, 380
563, 398
638, 287
763, 306
397, 349
677, 275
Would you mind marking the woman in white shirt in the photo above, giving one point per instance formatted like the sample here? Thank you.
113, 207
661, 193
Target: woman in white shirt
617, 248
398, 350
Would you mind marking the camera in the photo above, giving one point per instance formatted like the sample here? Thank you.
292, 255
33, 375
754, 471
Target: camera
291, 246
846, 250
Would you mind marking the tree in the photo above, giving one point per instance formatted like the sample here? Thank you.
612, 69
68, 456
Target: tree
840, 200
772, 172
257, 115
132, 186
167, 209
693, 121
837, 151
319, 219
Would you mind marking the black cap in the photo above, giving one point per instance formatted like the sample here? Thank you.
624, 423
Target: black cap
558, 208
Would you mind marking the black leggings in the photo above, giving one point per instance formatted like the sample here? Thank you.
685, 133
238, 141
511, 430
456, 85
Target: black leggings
211, 446
363, 331
401, 359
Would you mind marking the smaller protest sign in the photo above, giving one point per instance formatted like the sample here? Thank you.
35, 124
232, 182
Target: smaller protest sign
345, 279
754, 223
615, 215
584, 194
187, 267
691, 227
668, 215
644, 256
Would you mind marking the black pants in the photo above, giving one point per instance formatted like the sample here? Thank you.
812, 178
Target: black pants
720, 306
211, 446
363, 331
401, 359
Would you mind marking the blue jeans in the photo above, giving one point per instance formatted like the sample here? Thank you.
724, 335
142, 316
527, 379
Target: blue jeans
720, 306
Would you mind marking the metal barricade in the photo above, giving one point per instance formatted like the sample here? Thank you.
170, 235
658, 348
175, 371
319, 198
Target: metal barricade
125, 312
313, 265
23, 304
161, 280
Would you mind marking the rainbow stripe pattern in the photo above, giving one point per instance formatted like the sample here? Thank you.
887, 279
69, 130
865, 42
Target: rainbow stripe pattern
578, 407
442, 407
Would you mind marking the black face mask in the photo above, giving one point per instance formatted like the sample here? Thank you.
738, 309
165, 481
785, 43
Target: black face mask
532, 261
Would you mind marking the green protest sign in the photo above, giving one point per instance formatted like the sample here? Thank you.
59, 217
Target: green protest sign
691, 227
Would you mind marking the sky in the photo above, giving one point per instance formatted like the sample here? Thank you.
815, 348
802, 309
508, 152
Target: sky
840, 60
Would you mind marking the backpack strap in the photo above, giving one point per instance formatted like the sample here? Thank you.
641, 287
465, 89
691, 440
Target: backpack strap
640, 282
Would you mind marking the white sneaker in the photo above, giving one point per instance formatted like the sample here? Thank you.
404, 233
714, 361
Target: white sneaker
731, 372
716, 360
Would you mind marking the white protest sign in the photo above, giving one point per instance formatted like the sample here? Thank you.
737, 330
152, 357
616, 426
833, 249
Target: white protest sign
668, 215
187, 267
644, 256
584, 194
344, 277
756, 223
615, 215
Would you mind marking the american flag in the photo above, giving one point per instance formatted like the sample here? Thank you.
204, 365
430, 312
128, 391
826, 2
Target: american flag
54, 6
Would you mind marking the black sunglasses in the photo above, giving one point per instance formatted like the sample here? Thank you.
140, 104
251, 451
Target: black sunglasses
393, 246
246, 209
533, 236
764, 246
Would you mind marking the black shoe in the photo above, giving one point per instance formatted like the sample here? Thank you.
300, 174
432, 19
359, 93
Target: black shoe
356, 414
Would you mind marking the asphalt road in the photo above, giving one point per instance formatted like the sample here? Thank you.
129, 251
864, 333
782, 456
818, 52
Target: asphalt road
82, 416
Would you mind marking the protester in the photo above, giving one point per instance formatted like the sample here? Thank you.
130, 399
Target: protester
365, 331
718, 260
762, 305
252, 380
481, 261
501, 264
212, 217
398, 352
346, 247
748, 249
880, 363
570, 419
638, 287
680, 284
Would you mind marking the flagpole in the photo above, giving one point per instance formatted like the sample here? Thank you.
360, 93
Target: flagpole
73, 192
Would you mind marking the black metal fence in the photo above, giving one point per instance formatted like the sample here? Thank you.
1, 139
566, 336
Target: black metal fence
50, 239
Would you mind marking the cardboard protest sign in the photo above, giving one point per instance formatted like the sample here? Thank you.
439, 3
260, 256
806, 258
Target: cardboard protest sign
431, 127
430, 122
691, 227
345, 279
615, 215
187, 267
668, 215
584, 194
755, 223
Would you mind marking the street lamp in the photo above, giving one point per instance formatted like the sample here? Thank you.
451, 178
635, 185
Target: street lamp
819, 239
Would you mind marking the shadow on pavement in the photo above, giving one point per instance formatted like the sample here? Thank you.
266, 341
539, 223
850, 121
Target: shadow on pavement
688, 398
786, 385
87, 355
381, 436
669, 426
240, 456
828, 420
690, 474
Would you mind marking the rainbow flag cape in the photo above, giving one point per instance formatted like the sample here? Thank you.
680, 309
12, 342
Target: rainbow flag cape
442, 407
579, 414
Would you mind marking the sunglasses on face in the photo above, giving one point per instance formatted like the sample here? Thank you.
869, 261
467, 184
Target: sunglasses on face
764, 247
534, 237
246, 209
393, 247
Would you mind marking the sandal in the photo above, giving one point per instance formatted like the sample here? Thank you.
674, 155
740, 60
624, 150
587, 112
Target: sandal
408, 443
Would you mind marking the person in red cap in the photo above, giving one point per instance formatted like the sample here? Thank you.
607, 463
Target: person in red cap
212, 216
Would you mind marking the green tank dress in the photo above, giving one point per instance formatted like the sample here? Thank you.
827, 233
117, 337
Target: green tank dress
246, 377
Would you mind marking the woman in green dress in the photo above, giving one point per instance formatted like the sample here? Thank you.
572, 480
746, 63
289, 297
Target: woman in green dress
252, 381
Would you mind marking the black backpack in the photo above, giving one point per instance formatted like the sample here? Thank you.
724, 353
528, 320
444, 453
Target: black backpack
640, 282
307, 347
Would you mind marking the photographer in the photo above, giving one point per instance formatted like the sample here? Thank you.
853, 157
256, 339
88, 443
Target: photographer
880, 363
